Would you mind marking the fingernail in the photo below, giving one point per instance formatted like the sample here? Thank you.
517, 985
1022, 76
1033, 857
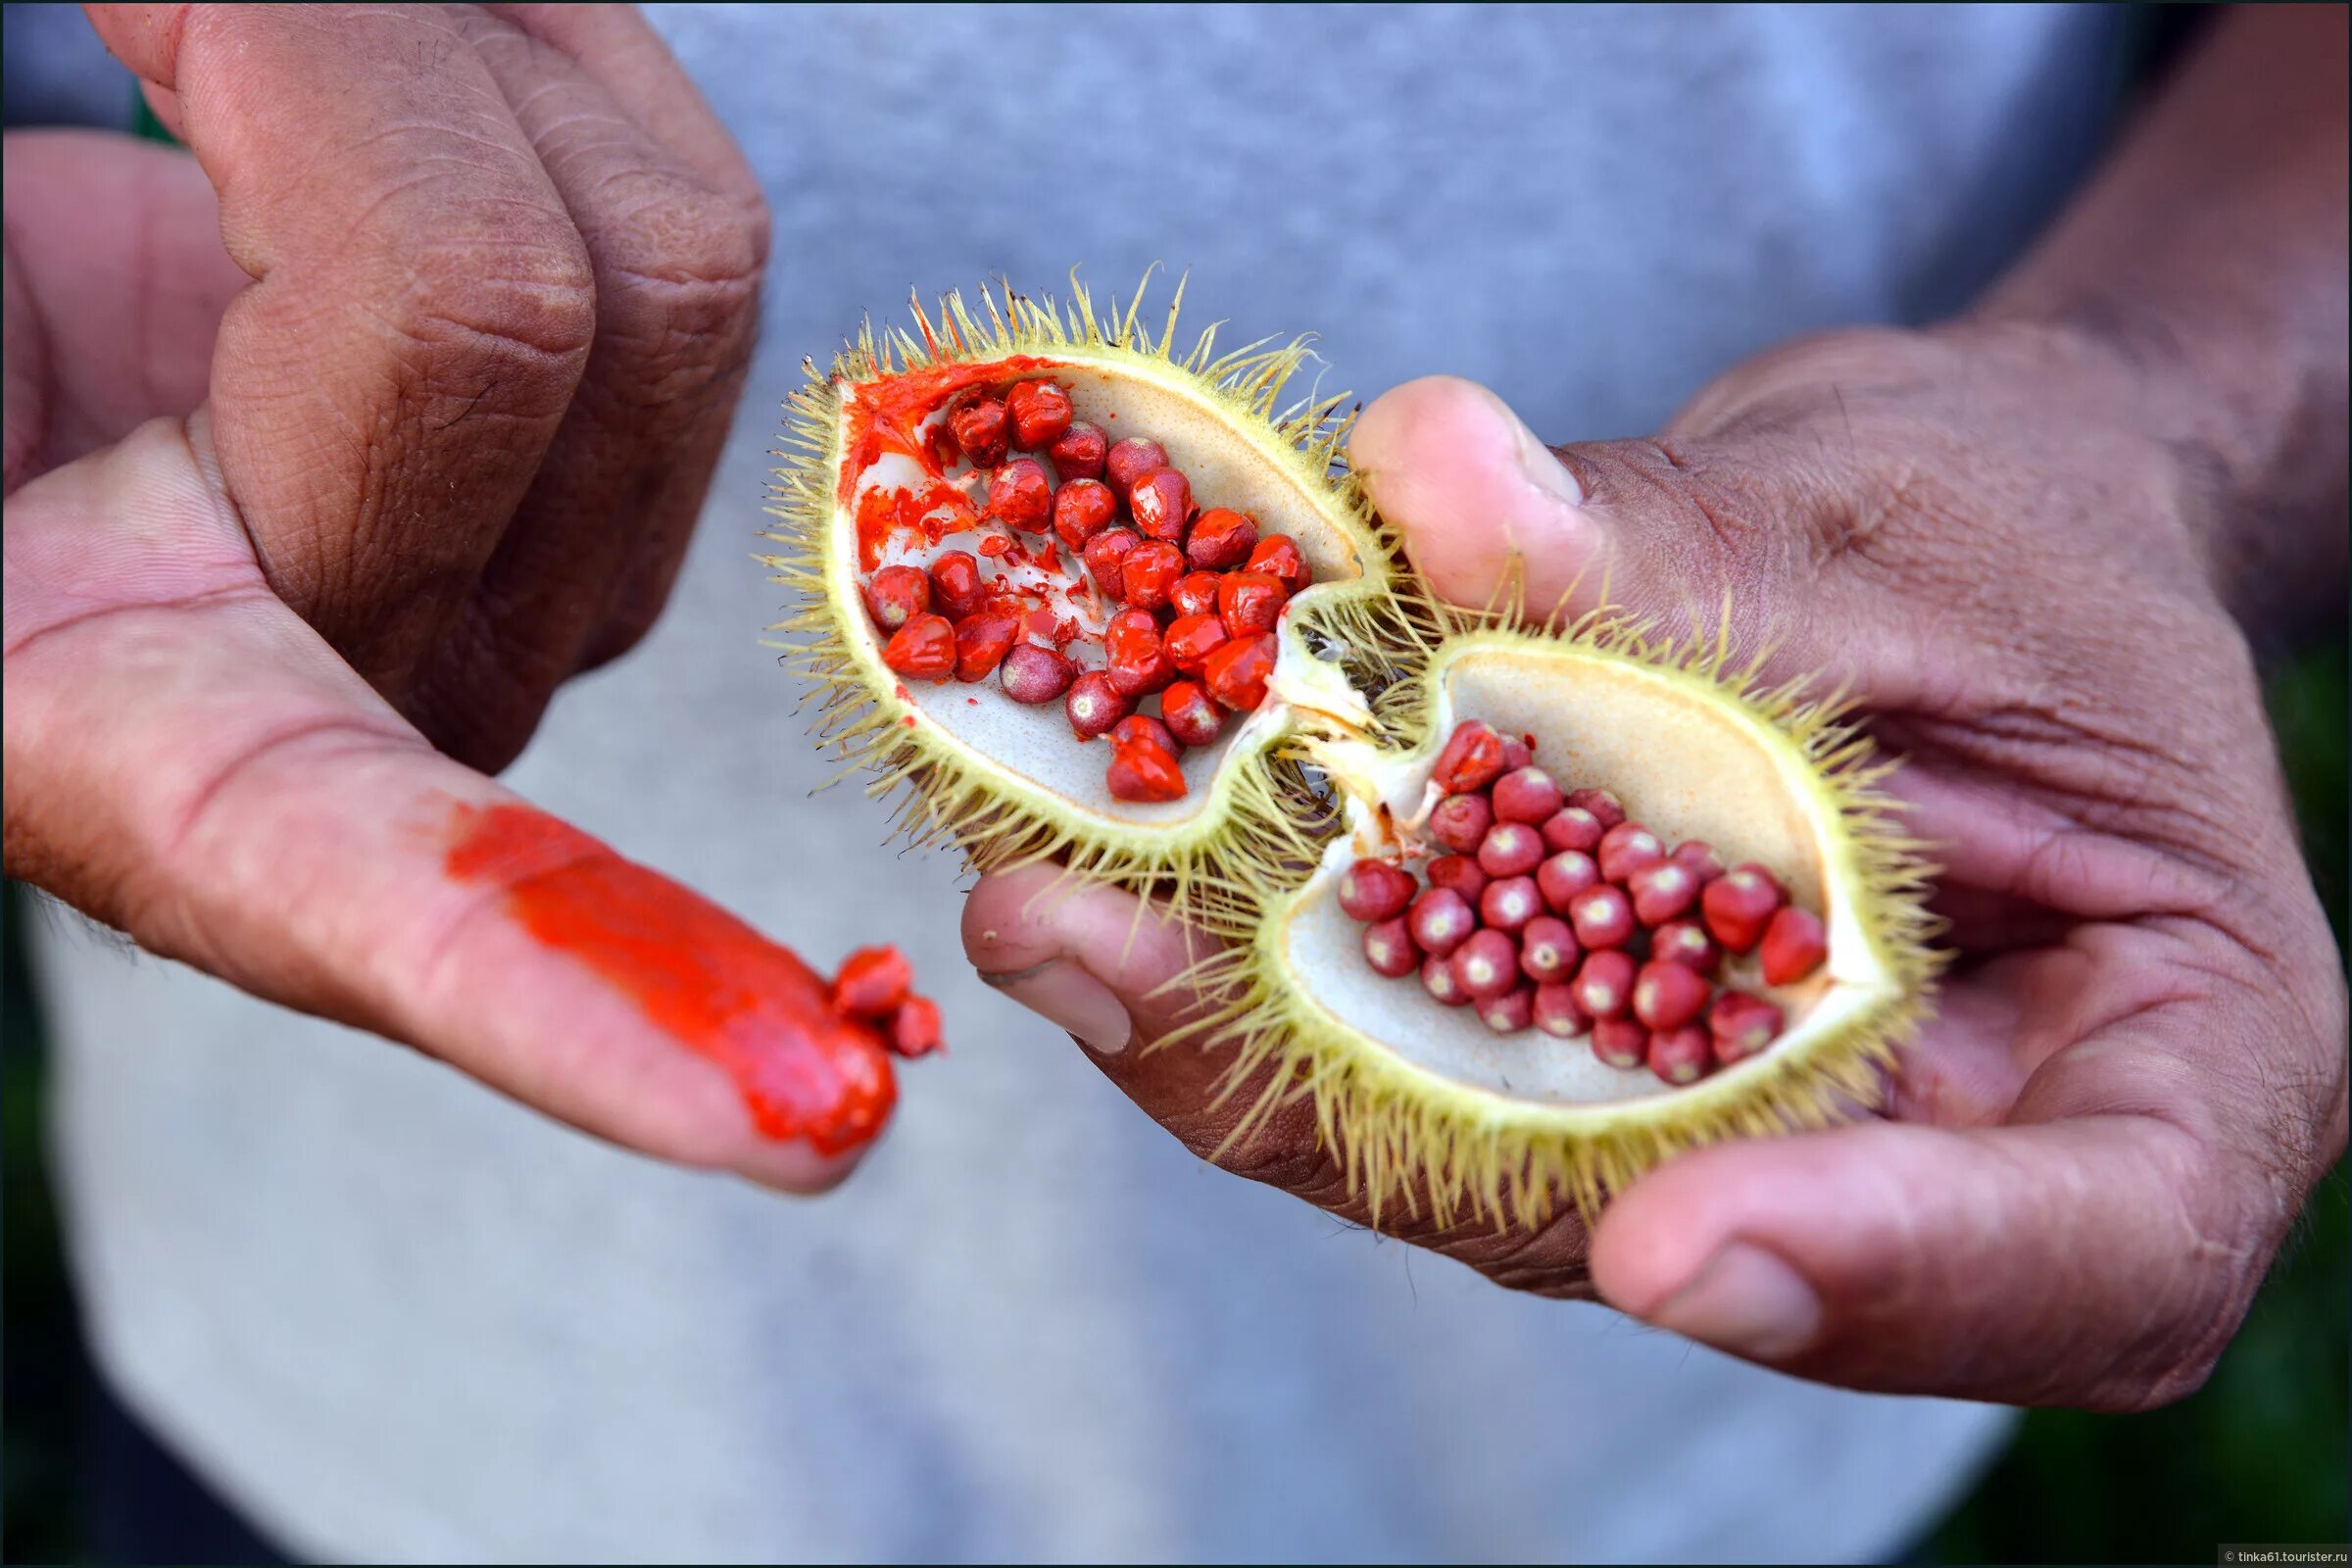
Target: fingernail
1748, 1301
1061, 993
1545, 471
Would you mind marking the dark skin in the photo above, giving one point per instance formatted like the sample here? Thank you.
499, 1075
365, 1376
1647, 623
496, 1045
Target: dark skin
300, 535
2034, 542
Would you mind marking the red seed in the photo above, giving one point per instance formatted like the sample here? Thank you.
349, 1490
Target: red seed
1159, 503
1459, 872
872, 982
1556, 1012
1487, 964
1142, 729
1564, 875
1680, 1056
1547, 949
956, 583
1603, 917
1470, 759
895, 595
1191, 639
1021, 496
1130, 460
1148, 572
1437, 978
1687, 943
1736, 905
915, 1028
924, 648
1196, 593
1079, 452
1040, 412
1740, 1026
1527, 794
1095, 704
1572, 827
1604, 805
1509, 903
978, 425
1132, 654
1375, 889
1662, 891
1081, 509
1251, 601
1518, 752
1668, 996
1511, 848
981, 643
1143, 772
1511, 1011
1626, 849
1278, 556
1106, 556
1795, 946
1190, 712
1604, 984
1220, 539
1389, 948
1697, 856
1236, 675
1620, 1042
1034, 676
1460, 822
1440, 921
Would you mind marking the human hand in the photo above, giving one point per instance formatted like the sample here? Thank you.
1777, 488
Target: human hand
2138, 1068
349, 438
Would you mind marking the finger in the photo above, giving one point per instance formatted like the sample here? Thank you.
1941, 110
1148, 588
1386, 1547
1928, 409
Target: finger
116, 267
607, 518
2098, 1250
421, 310
616, 46
186, 759
1490, 514
1101, 965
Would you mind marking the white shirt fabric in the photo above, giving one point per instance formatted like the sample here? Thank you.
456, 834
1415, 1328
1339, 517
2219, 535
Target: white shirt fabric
395, 1317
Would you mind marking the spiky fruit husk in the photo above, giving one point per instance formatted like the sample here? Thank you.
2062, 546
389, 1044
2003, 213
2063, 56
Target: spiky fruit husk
1424, 1105
1007, 790
1423, 1109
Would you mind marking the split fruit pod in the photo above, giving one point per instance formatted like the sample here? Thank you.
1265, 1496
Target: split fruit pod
1280, 632
1697, 818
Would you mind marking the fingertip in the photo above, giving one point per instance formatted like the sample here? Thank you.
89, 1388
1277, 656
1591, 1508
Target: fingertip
1481, 502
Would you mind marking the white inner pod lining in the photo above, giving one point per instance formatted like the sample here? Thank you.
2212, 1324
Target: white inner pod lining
1685, 765
1032, 746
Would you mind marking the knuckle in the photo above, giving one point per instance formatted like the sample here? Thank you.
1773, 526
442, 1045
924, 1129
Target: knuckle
681, 285
527, 295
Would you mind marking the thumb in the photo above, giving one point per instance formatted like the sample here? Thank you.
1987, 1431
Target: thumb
188, 760
1490, 515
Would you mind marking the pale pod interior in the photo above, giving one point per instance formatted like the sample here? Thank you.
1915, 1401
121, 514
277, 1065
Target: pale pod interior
1231, 462
1685, 760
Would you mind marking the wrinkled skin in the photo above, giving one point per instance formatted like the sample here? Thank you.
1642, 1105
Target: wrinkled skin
330, 450
2027, 542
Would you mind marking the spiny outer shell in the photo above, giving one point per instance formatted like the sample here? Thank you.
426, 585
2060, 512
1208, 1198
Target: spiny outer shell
1000, 817
1403, 1131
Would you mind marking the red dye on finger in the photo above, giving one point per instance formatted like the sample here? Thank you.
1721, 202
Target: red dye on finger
804, 1068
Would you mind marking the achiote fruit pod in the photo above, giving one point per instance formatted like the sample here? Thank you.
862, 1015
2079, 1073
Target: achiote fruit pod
1522, 911
1193, 466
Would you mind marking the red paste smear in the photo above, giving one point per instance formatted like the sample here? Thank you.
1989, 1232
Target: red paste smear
885, 416
694, 971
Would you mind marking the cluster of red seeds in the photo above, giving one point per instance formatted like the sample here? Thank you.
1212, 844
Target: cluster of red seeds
875, 984
1553, 909
1200, 590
